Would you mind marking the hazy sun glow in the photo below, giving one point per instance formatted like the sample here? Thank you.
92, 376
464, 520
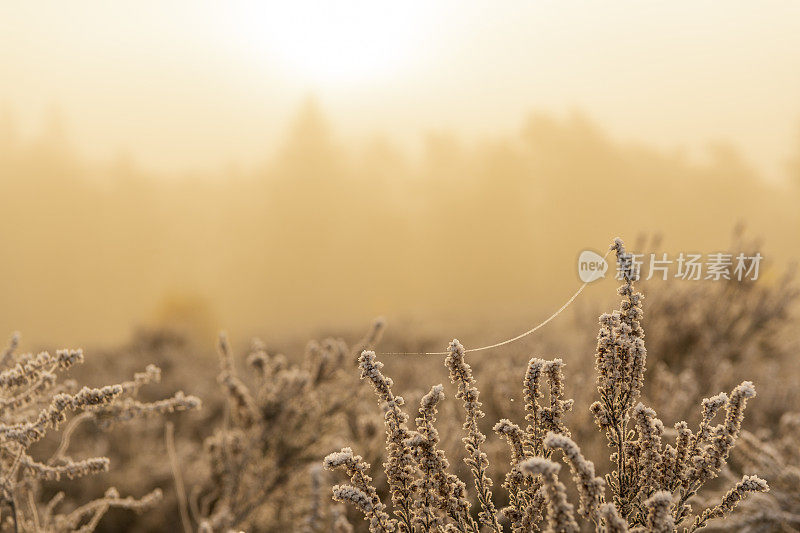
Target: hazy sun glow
331, 43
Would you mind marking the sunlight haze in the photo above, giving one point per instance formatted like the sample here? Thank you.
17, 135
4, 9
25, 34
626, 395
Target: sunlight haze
192, 85
276, 166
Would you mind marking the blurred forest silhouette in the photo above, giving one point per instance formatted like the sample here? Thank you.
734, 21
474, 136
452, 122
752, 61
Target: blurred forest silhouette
328, 228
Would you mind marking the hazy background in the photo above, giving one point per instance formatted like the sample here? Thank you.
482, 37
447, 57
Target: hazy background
269, 168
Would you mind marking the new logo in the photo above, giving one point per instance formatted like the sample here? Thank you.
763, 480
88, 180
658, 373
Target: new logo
591, 266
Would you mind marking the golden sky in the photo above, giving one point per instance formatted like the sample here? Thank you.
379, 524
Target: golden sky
328, 231
192, 85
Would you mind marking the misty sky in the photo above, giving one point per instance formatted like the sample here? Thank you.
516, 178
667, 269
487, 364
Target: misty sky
193, 85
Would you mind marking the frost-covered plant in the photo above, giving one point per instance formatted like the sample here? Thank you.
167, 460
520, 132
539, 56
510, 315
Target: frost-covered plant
648, 488
32, 404
704, 335
776, 456
272, 432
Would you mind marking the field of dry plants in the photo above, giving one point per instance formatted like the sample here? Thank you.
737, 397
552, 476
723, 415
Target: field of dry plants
699, 430
430, 192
